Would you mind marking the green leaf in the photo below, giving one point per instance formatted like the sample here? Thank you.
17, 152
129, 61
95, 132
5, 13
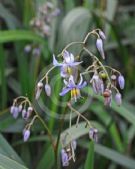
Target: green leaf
47, 159
9, 18
80, 130
89, 163
110, 13
7, 150
105, 117
112, 155
115, 156
3, 79
7, 163
15, 35
77, 19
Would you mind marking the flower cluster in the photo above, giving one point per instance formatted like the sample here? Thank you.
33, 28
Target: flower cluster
103, 79
42, 22
68, 153
22, 105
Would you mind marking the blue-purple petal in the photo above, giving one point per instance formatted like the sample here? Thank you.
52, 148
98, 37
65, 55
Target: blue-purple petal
64, 91
55, 62
82, 85
72, 64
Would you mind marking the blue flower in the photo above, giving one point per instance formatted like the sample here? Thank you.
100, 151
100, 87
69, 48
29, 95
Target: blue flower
75, 89
67, 65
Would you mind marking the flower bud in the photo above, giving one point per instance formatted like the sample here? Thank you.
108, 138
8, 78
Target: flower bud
30, 109
107, 97
97, 84
121, 81
27, 48
24, 114
118, 99
36, 51
64, 158
74, 144
102, 35
12, 109
38, 90
93, 134
15, 112
113, 77
99, 45
20, 108
26, 135
48, 89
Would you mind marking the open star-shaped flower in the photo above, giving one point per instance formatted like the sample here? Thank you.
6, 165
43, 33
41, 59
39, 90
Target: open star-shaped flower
67, 65
74, 88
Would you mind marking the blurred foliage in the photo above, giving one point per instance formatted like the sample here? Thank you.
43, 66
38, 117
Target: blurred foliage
19, 72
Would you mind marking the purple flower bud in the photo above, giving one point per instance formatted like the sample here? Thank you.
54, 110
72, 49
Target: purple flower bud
56, 12
20, 108
26, 135
102, 35
30, 109
74, 144
99, 45
25, 114
12, 109
27, 48
121, 81
93, 134
118, 99
48, 89
97, 84
15, 112
36, 51
64, 158
46, 30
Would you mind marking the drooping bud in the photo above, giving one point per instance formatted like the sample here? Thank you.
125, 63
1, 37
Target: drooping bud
20, 108
64, 158
38, 90
26, 135
113, 78
36, 51
97, 84
99, 45
48, 89
74, 144
27, 48
12, 109
93, 134
118, 99
102, 35
30, 109
107, 97
15, 112
24, 114
121, 81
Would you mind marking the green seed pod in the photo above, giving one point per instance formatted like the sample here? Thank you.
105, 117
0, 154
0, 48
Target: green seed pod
103, 75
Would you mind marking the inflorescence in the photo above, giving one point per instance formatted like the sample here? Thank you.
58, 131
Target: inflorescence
103, 80
41, 25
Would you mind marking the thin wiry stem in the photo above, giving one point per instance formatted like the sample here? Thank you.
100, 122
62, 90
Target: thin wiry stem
79, 114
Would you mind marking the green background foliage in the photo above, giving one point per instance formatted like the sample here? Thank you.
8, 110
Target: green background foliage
19, 73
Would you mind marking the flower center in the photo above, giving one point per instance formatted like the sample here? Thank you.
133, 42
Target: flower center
75, 93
